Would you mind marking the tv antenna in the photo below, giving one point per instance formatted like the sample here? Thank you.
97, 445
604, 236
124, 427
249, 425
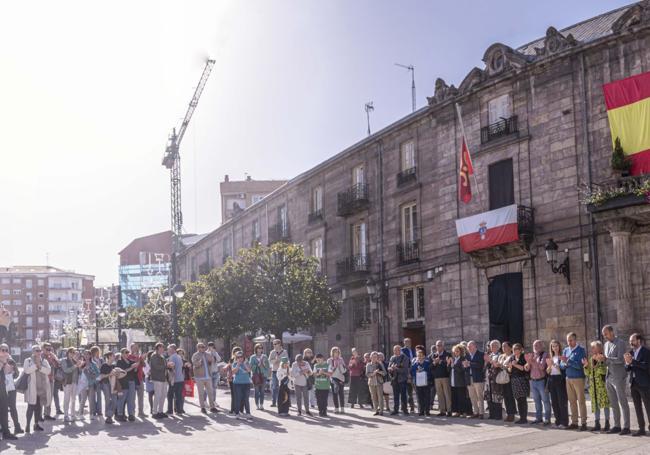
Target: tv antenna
369, 108
411, 68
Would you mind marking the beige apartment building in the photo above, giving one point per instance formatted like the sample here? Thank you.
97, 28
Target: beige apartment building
237, 195
381, 215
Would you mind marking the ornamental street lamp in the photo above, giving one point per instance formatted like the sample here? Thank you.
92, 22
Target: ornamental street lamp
562, 268
177, 292
375, 294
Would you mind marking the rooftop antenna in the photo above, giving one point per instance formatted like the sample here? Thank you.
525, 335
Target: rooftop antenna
411, 68
369, 108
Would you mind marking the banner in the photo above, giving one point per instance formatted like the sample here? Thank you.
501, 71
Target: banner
488, 229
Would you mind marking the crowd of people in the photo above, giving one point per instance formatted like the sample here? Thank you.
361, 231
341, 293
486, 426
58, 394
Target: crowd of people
464, 380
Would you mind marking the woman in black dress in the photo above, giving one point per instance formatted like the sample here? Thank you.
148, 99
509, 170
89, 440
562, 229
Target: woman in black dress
519, 382
284, 394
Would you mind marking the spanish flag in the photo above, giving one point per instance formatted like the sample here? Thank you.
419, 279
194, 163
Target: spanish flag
628, 109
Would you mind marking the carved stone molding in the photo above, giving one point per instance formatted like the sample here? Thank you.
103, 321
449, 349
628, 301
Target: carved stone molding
635, 15
473, 78
620, 226
442, 92
555, 42
499, 58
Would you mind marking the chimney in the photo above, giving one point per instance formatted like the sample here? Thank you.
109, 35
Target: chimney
226, 179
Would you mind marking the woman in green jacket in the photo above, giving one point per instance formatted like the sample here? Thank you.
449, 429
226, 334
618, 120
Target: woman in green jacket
260, 369
596, 371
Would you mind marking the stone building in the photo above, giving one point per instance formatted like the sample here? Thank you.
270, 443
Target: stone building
381, 214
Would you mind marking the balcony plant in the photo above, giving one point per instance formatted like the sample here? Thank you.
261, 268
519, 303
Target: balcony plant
620, 162
599, 195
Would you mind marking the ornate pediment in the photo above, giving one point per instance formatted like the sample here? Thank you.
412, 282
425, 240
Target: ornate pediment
473, 78
555, 42
499, 58
635, 15
442, 92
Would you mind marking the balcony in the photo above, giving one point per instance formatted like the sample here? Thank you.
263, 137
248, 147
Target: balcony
406, 176
353, 200
353, 265
315, 216
279, 233
408, 252
504, 127
625, 197
490, 244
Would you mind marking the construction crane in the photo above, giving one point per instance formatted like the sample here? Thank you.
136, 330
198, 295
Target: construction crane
172, 158
172, 161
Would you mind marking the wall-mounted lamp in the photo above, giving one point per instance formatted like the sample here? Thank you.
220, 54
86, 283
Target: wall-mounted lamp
552, 258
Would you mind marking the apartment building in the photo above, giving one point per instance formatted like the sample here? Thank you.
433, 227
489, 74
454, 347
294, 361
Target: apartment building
41, 298
237, 195
381, 215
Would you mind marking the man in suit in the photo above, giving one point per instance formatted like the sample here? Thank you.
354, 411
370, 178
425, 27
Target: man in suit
637, 363
441, 378
475, 365
615, 380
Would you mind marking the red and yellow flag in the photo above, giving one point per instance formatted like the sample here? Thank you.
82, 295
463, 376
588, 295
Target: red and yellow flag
628, 109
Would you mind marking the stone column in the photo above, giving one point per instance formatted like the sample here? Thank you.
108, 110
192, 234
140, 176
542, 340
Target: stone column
620, 230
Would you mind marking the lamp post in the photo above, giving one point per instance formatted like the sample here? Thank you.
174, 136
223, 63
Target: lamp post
375, 293
177, 292
563, 268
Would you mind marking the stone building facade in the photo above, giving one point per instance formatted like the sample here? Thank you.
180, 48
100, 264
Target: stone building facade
381, 214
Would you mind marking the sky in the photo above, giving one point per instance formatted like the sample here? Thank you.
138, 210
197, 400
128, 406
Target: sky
90, 91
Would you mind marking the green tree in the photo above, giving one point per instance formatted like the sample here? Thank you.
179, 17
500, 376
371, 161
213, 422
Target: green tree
273, 289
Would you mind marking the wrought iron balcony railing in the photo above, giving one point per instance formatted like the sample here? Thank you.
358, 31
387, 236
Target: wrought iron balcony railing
353, 264
406, 176
408, 252
503, 127
315, 216
279, 233
353, 199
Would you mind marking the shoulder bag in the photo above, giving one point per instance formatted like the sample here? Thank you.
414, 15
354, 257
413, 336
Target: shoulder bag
22, 383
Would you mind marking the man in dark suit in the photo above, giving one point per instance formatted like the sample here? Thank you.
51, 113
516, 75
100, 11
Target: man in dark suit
475, 365
637, 363
409, 352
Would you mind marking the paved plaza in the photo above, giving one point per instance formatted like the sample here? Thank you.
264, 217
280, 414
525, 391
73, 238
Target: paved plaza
356, 432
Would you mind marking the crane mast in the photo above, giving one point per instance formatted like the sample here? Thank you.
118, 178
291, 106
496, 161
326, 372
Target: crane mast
172, 160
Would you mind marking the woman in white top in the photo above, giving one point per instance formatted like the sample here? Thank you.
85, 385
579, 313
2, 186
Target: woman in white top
300, 372
557, 385
39, 390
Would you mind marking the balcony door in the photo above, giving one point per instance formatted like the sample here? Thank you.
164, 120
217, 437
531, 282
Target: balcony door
499, 109
359, 239
359, 175
409, 223
502, 185
506, 307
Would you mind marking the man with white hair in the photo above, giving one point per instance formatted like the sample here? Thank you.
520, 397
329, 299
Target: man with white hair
616, 379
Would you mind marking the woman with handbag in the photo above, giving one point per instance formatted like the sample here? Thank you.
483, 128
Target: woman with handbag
557, 385
337, 370
519, 382
10, 372
38, 390
300, 372
495, 378
504, 361
261, 369
421, 374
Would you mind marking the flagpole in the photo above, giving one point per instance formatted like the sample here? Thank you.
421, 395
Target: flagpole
462, 131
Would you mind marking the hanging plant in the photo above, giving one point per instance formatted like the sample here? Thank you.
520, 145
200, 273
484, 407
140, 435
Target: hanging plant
620, 161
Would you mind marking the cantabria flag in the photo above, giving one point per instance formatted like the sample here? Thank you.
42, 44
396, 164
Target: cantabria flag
628, 109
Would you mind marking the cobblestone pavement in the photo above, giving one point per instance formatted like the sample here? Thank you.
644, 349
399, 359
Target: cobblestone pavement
355, 432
